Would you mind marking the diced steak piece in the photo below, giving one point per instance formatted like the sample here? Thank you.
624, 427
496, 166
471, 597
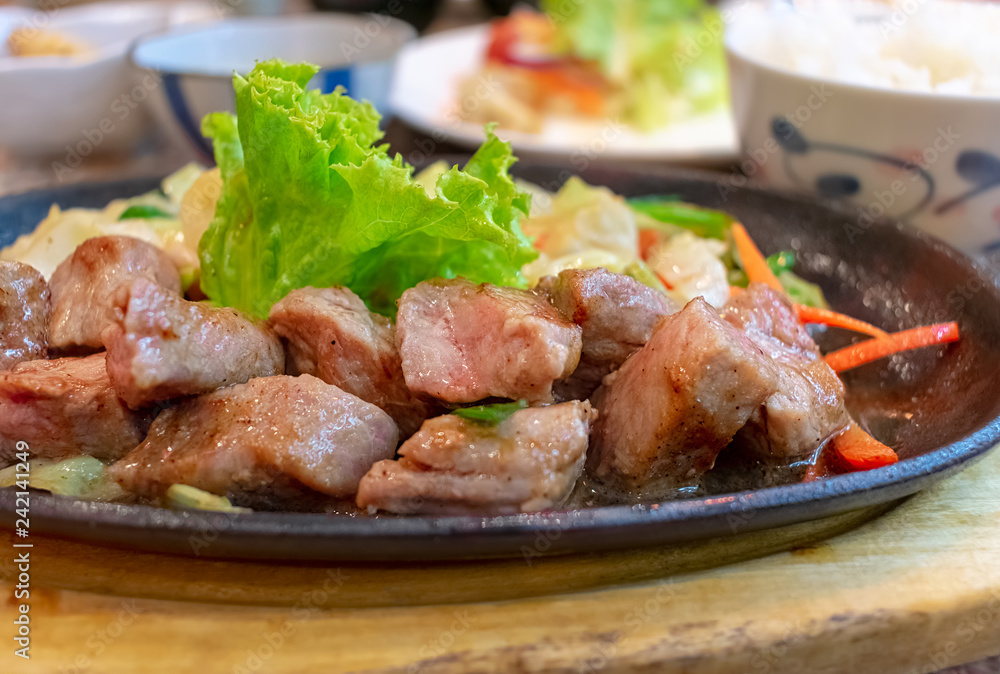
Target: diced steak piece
808, 406
329, 333
617, 314
769, 320
676, 403
24, 314
84, 286
162, 346
274, 441
463, 342
526, 463
66, 407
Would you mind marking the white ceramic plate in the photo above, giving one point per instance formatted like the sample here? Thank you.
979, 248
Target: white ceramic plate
424, 94
65, 108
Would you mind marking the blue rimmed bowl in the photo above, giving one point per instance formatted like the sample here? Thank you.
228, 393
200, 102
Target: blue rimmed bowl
930, 159
196, 66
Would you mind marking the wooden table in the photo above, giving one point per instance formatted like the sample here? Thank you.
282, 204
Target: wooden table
915, 590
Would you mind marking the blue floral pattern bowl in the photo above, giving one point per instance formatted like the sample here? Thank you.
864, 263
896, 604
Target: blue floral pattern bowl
932, 160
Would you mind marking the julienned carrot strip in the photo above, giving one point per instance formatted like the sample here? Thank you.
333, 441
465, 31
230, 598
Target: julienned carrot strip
860, 451
873, 349
736, 291
647, 239
757, 269
835, 319
754, 262
663, 280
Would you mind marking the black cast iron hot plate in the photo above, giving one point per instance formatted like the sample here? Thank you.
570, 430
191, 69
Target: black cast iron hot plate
940, 411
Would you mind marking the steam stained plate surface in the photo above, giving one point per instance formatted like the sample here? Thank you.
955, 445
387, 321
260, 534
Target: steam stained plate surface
939, 412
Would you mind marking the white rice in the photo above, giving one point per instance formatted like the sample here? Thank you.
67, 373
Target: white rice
915, 45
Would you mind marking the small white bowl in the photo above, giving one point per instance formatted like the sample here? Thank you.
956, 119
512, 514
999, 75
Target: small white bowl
74, 106
930, 159
197, 66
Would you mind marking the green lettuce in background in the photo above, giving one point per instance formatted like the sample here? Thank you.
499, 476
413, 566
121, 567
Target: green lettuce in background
667, 55
308, 198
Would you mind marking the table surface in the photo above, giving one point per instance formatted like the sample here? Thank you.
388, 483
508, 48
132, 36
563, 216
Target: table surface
915, 590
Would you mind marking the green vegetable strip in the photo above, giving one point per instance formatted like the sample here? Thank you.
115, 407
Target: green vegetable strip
491, 414
143, 211
703, 222
310, 199
798, 289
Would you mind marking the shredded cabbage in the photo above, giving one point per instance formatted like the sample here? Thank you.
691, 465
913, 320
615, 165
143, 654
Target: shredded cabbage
59, 234
692, 267
82, 476
186, 496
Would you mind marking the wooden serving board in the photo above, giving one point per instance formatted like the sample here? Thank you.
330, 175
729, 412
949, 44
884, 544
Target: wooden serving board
915, 590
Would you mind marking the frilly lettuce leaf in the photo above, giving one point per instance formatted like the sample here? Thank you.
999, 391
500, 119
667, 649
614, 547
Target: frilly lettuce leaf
310, 199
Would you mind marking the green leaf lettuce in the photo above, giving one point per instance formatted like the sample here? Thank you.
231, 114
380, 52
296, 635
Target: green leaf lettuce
309, 199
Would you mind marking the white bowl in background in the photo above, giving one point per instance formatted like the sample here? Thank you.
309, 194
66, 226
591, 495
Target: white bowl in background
931, 159
197, 66
74, 106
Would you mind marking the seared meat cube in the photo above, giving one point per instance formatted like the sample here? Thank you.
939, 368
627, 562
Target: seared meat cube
66, 407
769, 320
808, 406
617, 314
274, 441
162, 346
526, 463
676, 403
330, 333
463, 342
84, 285
24, 314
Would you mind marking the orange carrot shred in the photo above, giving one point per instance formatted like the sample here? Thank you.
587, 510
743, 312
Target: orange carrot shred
647, 239
835, 319
754, 262
873, 349
858, 450
813, 472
